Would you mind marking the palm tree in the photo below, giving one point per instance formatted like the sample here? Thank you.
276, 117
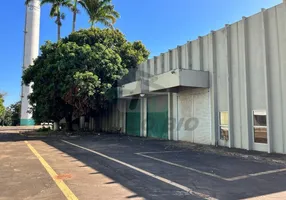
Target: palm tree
55, 11
76, 11
101, 11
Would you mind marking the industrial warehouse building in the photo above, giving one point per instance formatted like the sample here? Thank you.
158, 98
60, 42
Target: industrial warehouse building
227, 88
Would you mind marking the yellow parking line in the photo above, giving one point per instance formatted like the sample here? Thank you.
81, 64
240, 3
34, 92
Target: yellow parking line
60, 183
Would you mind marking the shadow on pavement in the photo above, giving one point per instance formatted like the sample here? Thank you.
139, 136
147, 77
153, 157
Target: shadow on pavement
123, 148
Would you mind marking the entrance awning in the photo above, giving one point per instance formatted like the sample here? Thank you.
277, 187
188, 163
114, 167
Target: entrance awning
179, 77
171, 79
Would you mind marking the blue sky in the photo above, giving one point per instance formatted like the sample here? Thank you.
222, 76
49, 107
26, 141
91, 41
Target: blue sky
159, 24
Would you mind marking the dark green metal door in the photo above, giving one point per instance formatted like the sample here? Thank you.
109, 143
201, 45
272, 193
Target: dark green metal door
133, 117
157, 117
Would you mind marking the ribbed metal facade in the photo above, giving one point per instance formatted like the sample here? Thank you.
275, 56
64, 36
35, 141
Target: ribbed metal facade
247, 68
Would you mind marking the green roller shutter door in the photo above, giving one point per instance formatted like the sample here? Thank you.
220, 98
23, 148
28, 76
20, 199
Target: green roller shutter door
157, 117
133, 117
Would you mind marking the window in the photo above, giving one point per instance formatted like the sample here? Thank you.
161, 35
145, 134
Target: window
260, 126
223, 125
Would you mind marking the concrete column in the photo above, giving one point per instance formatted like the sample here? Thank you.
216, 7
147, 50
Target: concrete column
143, 117
56, 126
31, 52
169, 115
124, 109
91, 123
81, 122
175, 115
120, 114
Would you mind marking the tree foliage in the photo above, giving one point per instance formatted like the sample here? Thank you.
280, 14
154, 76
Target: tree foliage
2, 107
101, 11
74, 76
12, 115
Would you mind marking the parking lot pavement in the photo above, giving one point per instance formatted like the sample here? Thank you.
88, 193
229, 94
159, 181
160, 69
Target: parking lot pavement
115, 167
21, 174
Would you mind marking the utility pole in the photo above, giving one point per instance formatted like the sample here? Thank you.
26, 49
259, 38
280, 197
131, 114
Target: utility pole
31, 51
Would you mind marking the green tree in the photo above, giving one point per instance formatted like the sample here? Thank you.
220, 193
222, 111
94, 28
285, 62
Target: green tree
56, 11
14, 111
7, 118
2, 107
12, 114
74, 76
101, 11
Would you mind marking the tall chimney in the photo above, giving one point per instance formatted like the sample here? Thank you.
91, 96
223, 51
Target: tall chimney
31, 51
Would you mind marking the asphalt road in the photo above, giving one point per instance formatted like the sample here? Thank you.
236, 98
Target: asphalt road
120, 167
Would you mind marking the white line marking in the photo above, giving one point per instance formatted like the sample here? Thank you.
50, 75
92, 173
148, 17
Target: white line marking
181, 166
256, 174
210, 174
155, 152
182, 187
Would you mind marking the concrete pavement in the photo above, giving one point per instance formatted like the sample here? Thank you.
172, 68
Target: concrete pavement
120, 167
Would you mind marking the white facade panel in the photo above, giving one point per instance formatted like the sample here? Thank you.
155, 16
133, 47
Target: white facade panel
275, 80
194, 116
166, 62
174, 59
152, 67
157, 65
206, 46
184, 56
236, 85
145, 72
256, 71
221, 64
195, 55
281, 25
160, 64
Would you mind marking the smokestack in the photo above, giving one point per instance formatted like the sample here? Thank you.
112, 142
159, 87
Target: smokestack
31, 51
